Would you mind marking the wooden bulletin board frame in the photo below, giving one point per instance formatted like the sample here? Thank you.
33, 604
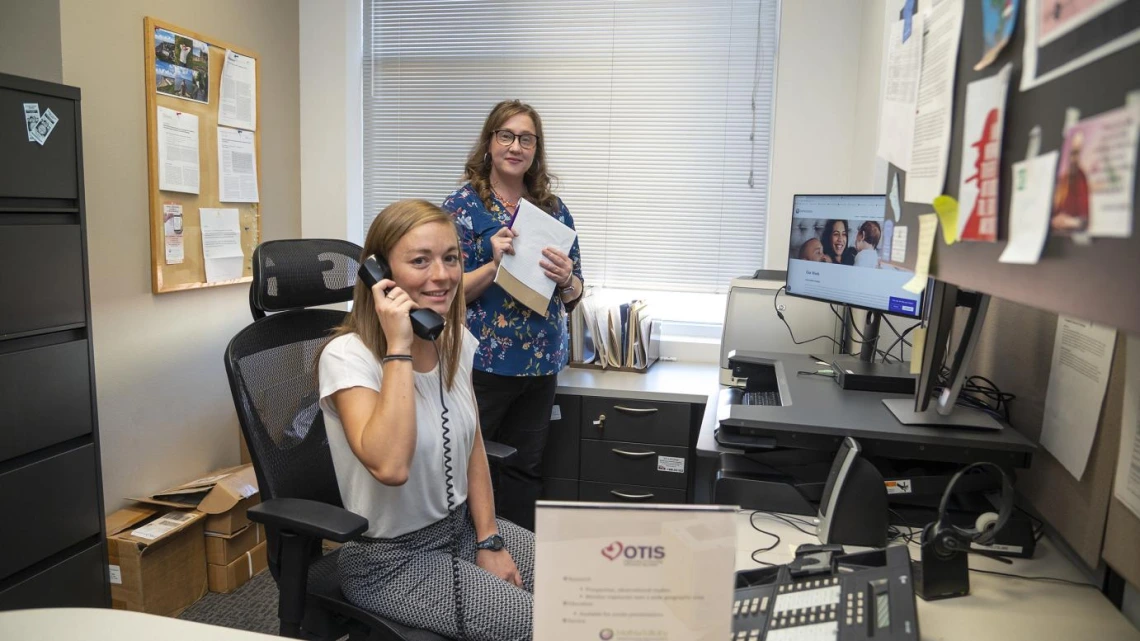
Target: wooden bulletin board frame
191, 273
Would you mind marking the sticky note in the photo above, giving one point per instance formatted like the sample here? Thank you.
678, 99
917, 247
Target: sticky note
927, 228
917, 341
947, 209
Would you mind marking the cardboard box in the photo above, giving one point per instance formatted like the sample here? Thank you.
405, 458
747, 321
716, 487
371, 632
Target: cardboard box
227, 578
223, 496
223, 550
156, 559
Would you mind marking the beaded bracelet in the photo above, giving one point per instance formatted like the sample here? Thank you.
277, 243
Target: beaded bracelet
396, 357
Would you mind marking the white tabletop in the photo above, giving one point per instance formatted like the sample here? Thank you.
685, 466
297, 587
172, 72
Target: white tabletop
997, 607
93, 624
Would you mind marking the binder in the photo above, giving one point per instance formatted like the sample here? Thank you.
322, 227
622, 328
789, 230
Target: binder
621, 336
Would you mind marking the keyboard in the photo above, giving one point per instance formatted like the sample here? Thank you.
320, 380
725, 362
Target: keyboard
770, 397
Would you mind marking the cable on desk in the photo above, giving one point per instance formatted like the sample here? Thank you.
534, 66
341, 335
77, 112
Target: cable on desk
1036, 578
752, 522
789, 522
780, 315
821, 373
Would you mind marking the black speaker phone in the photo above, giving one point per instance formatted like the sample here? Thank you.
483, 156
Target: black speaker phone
426, 324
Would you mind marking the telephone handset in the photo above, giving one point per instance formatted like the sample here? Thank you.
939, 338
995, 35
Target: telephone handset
426, 324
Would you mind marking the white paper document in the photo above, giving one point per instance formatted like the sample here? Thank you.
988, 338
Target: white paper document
981, 157
172, 231
926, 175
31, 117
1078, 378
633, 572
898, 244
896, 119
1127, 485
237, 106
1029, 209
177, 151
520, 273
237, 166
221, 244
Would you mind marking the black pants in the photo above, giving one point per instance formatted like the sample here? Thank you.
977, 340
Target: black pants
515, 411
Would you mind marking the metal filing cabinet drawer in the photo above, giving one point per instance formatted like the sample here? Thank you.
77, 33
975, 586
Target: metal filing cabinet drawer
31, 170
42, 268
618, 493
76, 581
560, 457
635, 421
634, 463
51, 504
46, 396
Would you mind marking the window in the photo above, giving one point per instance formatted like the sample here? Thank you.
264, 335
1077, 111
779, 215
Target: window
657, 116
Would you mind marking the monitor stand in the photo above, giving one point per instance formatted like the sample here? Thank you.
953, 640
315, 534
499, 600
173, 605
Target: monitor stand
964, 417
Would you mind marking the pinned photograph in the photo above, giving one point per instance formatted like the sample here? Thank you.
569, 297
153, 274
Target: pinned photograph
1093, 192
182, 66
998, 20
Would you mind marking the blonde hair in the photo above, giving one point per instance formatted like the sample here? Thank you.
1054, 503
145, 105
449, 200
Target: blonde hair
537, 179
387, 229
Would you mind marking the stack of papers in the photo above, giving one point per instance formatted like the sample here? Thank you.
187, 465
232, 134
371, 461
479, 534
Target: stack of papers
520, 273
619, 336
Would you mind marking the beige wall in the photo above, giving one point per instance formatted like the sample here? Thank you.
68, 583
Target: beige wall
165, 411
29, 39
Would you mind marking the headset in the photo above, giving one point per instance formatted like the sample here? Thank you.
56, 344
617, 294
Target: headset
428, 325
947, 539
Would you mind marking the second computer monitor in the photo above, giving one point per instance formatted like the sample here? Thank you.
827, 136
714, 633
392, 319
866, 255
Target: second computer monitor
847, 250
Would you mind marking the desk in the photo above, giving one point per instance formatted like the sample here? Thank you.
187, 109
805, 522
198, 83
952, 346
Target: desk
92, 624
998, 608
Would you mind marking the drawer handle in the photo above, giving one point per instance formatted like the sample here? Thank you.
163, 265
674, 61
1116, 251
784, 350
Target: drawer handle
633, 497
636, 411
632, 454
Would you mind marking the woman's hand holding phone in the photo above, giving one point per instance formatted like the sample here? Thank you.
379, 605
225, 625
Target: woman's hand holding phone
393, 305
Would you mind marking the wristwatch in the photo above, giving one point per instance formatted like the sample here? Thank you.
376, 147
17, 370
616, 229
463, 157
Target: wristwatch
493, 543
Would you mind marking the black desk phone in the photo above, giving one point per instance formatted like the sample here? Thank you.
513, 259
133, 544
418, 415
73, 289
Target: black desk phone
825, 595
426, 323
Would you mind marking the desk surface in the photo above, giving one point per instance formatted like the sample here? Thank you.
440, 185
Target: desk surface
998, 608
665, 381
93, 624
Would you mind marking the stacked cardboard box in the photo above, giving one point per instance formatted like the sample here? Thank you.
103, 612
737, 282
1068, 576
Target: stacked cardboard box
156, 559
235, 547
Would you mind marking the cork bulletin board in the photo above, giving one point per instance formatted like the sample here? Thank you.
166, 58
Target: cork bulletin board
182, 72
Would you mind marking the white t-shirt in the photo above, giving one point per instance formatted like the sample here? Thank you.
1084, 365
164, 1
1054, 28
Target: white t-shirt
867, 258
392, 511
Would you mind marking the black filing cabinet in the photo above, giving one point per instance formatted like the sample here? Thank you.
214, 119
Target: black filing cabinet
619, 450
52, 546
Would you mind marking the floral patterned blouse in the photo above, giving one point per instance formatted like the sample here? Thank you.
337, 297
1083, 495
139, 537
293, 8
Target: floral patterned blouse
513, 340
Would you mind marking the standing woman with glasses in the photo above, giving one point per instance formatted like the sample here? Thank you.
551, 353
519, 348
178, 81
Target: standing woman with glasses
520, 352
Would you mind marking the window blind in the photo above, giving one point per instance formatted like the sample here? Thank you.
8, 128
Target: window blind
657, 119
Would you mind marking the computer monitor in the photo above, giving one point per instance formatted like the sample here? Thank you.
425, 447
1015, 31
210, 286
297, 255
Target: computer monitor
945, 362
840, 251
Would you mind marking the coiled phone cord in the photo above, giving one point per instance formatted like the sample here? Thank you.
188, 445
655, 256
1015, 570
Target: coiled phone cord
448, 472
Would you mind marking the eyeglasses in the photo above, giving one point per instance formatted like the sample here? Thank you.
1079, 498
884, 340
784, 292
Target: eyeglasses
506, 138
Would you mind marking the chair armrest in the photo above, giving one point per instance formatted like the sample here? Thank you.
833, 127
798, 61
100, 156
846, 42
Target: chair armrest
497, 453
309, 518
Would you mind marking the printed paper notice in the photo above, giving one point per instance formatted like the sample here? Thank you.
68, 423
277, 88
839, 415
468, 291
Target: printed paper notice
898, 245
1127, 486
1095, 174
896, 120
172, 231
981, 157
1029, 209
928, 155
238, 103
177, 151
1082, 358
633, 573
927, 228
237, 166
520, 273
221, 244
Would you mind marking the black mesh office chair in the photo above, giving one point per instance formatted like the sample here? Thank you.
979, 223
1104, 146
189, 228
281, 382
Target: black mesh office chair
272, 374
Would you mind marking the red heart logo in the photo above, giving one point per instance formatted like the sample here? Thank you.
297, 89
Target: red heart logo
613, 550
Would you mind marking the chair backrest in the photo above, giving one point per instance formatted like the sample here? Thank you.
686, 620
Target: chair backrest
292, 274
272, 367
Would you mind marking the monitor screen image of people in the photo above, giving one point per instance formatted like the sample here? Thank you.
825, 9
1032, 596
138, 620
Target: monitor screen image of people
840, 252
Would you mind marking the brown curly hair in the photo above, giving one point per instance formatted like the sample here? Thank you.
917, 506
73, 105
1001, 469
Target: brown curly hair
537, 179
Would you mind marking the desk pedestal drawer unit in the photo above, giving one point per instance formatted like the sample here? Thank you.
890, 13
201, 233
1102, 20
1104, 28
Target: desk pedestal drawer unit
52, 545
